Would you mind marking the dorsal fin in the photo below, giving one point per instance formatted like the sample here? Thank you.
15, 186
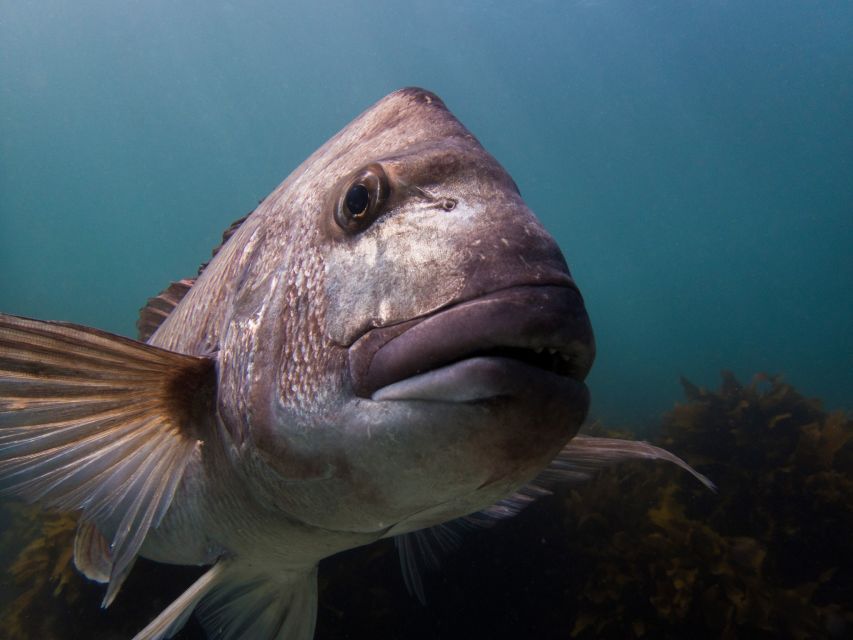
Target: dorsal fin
226, 235
158, 308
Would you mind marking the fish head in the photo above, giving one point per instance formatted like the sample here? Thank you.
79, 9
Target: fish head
405, 342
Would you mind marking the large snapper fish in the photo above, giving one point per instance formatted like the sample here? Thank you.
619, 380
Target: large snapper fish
390, 342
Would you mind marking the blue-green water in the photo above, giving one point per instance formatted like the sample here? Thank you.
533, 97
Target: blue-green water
693, 159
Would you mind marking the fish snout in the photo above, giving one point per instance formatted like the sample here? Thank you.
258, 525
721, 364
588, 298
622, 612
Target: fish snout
514, 249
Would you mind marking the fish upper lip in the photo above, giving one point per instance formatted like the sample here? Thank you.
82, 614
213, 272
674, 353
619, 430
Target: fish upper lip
542, 324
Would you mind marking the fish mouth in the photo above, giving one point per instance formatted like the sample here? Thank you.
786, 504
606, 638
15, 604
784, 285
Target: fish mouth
499, 344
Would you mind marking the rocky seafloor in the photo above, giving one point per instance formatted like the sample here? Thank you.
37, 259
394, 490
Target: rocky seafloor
641, 551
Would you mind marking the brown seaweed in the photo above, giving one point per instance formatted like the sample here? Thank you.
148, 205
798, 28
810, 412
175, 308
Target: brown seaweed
770, 555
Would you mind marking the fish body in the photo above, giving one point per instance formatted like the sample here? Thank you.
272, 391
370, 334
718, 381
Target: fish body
389, 342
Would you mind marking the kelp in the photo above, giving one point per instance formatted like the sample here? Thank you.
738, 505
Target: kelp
42, 566
770, 555
642, 551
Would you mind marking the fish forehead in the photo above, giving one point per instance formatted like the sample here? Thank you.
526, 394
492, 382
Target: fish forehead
411, 127
402, 120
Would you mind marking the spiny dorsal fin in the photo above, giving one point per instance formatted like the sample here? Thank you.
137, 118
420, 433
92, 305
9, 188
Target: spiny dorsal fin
158, 308
226, 235
95, 422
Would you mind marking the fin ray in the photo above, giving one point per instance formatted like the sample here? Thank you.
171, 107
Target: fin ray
282, 606
175, 616
583, 456
158, 308
422, 550
91, 552
98, 423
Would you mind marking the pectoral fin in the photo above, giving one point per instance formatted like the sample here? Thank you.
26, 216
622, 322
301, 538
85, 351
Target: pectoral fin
95, 422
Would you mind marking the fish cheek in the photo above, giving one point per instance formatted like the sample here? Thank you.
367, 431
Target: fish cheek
404, 267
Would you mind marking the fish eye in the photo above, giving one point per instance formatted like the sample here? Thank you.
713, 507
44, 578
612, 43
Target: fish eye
357, 199
362, 200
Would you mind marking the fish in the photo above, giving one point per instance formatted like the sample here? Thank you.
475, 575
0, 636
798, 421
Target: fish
390, 345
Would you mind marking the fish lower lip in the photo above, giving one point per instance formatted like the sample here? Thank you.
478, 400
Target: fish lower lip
477, 379
542, 327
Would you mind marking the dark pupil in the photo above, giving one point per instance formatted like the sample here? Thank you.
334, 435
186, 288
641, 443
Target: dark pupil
357, 199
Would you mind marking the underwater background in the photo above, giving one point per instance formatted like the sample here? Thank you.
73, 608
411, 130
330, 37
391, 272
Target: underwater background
693, 159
